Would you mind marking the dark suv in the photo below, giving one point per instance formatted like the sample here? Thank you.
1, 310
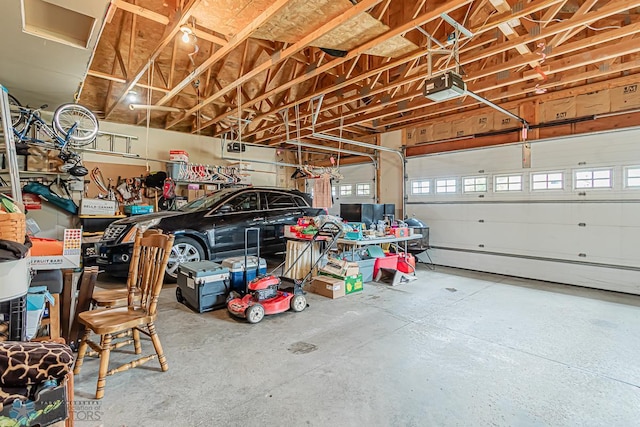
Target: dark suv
212, 227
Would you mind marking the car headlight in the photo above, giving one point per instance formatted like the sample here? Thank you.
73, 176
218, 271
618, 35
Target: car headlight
143, 226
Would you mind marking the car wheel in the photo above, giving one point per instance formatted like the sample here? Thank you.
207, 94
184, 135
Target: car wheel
254, 313
298, 303
185, 249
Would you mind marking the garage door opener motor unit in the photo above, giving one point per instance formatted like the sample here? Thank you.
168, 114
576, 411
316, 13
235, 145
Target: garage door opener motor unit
446, 86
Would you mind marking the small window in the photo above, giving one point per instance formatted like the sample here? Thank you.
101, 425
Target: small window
600, 178
633, 177
477, 184
346, 190
508, 183
546, 181
422, 186
363, 189
447, 185
334, 191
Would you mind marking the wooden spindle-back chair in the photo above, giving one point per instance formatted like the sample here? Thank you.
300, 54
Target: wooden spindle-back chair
146, 273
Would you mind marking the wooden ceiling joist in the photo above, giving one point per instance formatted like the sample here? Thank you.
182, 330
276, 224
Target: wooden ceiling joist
583, 41
173, 28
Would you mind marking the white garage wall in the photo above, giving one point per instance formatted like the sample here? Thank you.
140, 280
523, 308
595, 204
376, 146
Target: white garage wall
201, 149
584, 237
352, 176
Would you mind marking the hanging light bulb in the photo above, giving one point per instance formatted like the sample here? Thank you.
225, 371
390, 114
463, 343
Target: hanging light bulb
187, 32
132, 96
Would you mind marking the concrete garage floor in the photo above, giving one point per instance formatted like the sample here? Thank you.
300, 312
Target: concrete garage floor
454, 348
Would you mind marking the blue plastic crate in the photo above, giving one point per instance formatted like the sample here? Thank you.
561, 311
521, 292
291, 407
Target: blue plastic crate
138, 209
236, 270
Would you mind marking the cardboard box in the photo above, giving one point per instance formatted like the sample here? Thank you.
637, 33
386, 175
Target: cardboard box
98, 207
40, 160
328, 286
589, 104
70, 258
559, 109
501, 121
625, 97
400, 231
442, 130
410, 136
340, 268
352, 283
460, 128
480, 124
424, 134
195, 194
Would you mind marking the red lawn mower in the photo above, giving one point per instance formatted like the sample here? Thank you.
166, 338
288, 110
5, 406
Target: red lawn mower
263, 295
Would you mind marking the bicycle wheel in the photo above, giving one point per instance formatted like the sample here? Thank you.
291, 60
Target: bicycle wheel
75, 124
17, 116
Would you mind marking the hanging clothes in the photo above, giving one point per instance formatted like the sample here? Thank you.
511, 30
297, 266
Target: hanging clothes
322, 192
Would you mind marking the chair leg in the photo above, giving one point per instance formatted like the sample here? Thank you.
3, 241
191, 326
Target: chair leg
104, 365
164, 366
136, 340
82, 350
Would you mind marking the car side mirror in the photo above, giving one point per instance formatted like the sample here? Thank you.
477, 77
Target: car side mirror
225, 209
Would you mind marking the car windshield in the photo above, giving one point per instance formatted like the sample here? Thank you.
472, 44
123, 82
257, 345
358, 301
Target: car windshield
208, 201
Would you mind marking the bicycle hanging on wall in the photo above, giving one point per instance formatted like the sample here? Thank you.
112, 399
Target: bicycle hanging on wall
72, 126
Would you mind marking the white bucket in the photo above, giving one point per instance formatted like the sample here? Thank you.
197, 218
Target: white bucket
14, 279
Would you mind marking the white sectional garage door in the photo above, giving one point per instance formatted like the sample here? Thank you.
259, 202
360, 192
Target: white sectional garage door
573, 217
357, 186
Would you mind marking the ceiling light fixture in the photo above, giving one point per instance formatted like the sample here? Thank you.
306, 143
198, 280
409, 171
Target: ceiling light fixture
132, 96
187, 32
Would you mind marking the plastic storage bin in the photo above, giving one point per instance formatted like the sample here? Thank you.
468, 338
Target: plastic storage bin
236, 270
366, 268
13, 319
203, 285
18, 272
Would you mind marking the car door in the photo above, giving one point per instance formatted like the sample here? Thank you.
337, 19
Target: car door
237, 214
283, 210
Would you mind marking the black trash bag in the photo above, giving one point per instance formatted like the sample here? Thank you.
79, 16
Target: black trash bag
155, 180
12, 251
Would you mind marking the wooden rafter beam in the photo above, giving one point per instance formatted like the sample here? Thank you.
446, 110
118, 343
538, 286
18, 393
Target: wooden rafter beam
141, 11
234, 42
378, 112
562, 37
422, 19
288, 52
492, 85
173, 27
486, 27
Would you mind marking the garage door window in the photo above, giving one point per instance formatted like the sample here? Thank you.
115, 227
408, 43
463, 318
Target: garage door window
422, 186
633, 177
363, 189
546, 181
346, 190
476, 184
508, 183
447, 185
593, 178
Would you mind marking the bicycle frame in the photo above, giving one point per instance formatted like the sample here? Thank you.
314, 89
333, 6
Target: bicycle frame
34, 120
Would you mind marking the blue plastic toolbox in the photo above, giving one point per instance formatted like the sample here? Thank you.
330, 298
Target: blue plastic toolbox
203, 285
236, 270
